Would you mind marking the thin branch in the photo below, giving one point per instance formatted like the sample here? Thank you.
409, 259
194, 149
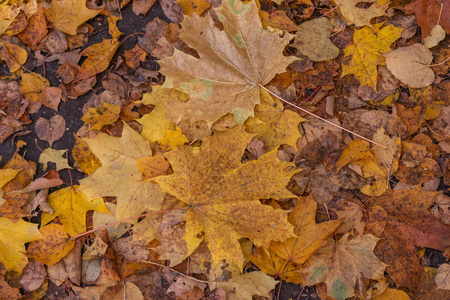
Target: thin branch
320, 118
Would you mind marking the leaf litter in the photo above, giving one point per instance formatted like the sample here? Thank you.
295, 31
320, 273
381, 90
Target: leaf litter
304, 141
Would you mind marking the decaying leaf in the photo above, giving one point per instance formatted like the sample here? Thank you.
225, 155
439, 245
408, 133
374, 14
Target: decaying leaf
223, 194
231, 67
312, 40
340, 263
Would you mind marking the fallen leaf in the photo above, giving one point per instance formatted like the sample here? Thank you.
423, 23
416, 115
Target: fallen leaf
84, 157
7, 175
410, 65
363, 57
134, 57
9, 292
99, 55
13, 236
389, 294
273, 124
32, 85
33, 276
340, 263
71, 206
312, 40
244, 286
437, 35
277, 19
14, 56
428, 14
141, 7
113, 30
194, 6
225, 203
50, 130
101, 116
36, 29
228, 75
442, 278
55, 156
152, 166
67, 15
48, 180
172, 139
358, 15
119, 174
50, 97
27, 170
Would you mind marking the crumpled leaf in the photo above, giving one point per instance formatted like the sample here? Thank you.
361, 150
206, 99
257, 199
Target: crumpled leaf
232, 65
99, 55
410, 65
224, 194
312, 40
119, 174
13, 236
101, 116
71, 206
56, 156
363, 57
361, 16
67, 15
340, 263
273, 123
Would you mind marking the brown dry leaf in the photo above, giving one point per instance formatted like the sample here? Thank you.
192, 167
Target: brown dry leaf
437, 34
442, 278
134, 57
67, 15
152, 166
141, 7
9, 292
36, 29
411, 65
225, 205
247, 285
99, 55
343, 262
27, 170
409, 224
312, 40
50, 97
278, 19
231, 67
50, 130
33, 276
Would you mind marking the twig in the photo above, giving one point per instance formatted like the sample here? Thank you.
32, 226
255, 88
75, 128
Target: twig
320, 118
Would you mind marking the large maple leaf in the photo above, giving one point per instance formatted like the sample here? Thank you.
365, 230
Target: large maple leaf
119, 175
224, 194
428, 13
340, 263
363, 57
233, 63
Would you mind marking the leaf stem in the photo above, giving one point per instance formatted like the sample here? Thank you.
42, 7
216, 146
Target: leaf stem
320, 118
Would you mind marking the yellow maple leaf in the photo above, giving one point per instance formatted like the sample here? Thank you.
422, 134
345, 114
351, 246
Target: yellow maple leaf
56, 156
101, 116
13, 236
67, 15
363, 57
224, 194
233, 64
155, 123
71, 206
172, 139
273, 124
99, 55
285, 257
119, 175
